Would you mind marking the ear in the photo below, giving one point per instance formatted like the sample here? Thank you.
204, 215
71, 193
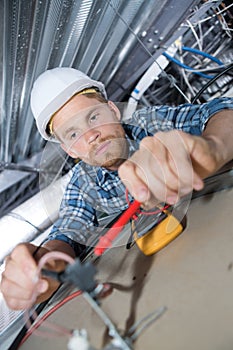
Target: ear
115, 109
68, 151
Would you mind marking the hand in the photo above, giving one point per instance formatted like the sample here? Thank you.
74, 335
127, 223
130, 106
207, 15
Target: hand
167, 166
20, 284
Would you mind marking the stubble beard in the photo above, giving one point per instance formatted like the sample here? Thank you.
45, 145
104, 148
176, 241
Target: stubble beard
112, 158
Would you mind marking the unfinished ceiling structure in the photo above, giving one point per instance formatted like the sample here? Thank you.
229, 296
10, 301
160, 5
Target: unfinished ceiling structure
115, 41
146, 52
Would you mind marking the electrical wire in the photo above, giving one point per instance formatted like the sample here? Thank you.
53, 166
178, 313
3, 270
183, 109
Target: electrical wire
201, 34
214, 15
172, 80
214, 69
204, 54
198, 40
198, 52
20, 217
211, 82
157, 211
59, 330
139, 327
186, 80
77, 293
16, 343
179, 63
225, 26
29, 317
49, 313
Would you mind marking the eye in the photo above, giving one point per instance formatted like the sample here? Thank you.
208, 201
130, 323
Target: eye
93, 118
74, 135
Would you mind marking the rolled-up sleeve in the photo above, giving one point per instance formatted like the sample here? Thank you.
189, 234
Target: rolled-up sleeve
187, 117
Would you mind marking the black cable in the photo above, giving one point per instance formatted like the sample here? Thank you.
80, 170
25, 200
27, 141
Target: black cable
38, 247
38, 310
20, 217
211, 81
16, 343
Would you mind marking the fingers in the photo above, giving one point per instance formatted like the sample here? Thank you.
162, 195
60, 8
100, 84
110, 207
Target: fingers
161, 168
20, 283
23, 260
179, 147
18, 297
130, 174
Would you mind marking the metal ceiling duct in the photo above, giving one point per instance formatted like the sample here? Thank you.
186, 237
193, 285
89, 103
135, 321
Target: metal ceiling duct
113, 41
93, 35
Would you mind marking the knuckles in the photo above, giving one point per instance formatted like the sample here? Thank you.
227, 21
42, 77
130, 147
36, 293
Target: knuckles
5, 285
148, 141
125, 168
12, 304
18, 250
17, 301
15, 304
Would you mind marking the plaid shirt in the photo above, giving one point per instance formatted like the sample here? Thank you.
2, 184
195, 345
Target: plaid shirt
95, 190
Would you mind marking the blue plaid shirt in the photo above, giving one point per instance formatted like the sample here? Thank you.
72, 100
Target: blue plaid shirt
95, 190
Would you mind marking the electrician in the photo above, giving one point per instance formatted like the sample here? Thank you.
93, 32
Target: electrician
159, 154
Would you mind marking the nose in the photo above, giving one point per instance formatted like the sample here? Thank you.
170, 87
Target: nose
92, 135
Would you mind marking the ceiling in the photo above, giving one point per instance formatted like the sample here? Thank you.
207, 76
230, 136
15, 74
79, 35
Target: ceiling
115, 41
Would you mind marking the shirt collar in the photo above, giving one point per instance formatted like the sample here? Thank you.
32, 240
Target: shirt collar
104, 174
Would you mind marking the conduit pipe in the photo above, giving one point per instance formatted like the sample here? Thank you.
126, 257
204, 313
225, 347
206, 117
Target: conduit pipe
33, 217
148, 78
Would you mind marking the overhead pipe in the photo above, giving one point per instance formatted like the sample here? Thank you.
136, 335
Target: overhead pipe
32, 218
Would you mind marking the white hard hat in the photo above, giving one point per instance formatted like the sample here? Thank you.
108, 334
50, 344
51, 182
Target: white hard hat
53, 89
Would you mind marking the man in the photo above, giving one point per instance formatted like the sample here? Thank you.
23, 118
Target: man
160, 155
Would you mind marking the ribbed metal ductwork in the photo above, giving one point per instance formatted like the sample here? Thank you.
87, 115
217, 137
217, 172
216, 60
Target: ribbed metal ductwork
95, 36
113, 41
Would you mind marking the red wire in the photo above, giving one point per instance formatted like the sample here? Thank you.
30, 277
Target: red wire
156, 211
104, 243
134, 208
106, 240
145, 212
50, 312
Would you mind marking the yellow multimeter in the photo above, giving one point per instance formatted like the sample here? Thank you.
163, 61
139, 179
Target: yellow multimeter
156, 238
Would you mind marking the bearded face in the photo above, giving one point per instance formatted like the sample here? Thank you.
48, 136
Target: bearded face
91, 131
110, 151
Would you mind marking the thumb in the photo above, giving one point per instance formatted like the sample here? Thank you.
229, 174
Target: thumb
42, 286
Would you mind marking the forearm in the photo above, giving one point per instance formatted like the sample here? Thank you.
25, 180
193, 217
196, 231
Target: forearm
57, 245
218, 133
